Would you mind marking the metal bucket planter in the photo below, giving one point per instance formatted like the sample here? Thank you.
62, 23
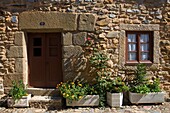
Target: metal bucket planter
88, 100
114, 99
137, 98
23, 102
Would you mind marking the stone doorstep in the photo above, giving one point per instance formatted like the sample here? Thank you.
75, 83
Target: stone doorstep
46, 102
43, 92
45, 98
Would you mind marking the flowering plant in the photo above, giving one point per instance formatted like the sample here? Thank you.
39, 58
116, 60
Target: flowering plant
75, 90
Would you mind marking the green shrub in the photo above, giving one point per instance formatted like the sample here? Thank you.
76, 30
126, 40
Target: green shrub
141, 84
18, 90
117, 85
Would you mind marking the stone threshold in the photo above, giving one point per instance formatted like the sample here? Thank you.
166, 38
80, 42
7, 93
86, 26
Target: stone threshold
44, 98
51, 89
46, 102
43, 92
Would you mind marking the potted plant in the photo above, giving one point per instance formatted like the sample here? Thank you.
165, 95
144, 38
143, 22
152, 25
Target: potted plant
115, 89
78, 93
99, 64
143, 90
18, 96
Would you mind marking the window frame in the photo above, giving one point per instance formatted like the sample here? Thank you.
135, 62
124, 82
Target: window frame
138, 45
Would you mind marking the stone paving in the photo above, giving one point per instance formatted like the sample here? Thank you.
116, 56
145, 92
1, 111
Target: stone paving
163, 108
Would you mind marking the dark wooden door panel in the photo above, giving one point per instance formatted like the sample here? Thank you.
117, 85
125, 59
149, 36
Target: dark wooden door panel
45, 59
53, 59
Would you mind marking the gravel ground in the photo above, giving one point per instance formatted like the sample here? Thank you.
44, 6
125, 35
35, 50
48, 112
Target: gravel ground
163, 108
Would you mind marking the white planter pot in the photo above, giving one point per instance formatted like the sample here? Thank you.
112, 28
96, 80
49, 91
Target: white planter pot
88, 100
23, 102
114, 99
137, 98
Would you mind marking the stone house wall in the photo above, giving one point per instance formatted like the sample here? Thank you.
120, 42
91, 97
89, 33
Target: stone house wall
103, 20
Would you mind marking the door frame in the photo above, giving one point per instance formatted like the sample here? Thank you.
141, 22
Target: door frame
28, 59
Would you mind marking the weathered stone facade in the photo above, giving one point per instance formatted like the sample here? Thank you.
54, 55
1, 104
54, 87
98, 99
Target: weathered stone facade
103, 20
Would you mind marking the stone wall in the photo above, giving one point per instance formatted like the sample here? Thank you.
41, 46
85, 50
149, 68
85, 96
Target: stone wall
105, 21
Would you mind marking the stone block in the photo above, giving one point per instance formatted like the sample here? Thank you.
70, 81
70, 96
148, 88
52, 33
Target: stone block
112, 15
122, 48
14, 19
154, 67
72, 51
20, 65
1, 80
103, 22
16, 52
86, 22
48, 20
113, 34
1, 66
1, 86
67, 39
71, 75
48, 102
2, 19
156, 51
43, 92
3, 71
68, 65
19, 39
141, 27
79, 38
168, 1
8, 78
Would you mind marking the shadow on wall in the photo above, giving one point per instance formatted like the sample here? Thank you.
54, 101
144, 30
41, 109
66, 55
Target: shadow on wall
78, 67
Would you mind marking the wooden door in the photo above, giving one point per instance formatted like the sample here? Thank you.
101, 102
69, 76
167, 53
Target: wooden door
45, 67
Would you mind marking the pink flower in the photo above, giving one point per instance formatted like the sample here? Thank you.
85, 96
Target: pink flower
87, 39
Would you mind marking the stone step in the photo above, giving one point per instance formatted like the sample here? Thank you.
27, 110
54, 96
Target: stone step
43, 92
46, 102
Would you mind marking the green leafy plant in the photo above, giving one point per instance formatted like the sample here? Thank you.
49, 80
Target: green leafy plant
143, 88
140, 74
75, 90
116, 85
155, 86
141, 84
18, 90
101, 88
99, 60
106, 84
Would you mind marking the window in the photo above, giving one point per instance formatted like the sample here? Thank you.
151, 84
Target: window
153, 30
37, 47
139, 47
